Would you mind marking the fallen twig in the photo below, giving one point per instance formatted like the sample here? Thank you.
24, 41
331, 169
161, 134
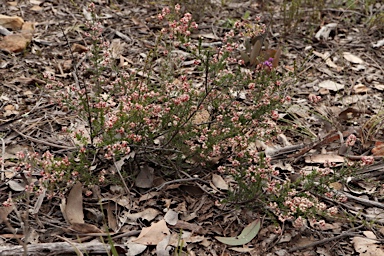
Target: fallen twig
41, 141
327, 240
56, 248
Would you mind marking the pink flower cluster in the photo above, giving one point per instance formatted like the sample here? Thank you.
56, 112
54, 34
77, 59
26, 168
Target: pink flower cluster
182, 26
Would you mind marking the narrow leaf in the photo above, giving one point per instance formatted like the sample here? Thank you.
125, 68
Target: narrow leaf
248, 233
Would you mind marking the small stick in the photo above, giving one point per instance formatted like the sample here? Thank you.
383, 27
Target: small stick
327, 240
41, 141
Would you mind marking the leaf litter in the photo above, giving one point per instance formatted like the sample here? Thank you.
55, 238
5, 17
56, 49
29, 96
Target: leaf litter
137, 219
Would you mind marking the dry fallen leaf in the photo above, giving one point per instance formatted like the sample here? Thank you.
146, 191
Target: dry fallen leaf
163, 248
85, 228
367, 247
171, 217
352, 58
323, 158
78, 48
36, 8
330, 85
135, 249
153, 234
112, 221
219, 182
16, 186
74, 206
324, 32
148, 214
379, 87
360, 88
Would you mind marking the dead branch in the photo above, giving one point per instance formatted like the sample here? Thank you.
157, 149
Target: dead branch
56, 248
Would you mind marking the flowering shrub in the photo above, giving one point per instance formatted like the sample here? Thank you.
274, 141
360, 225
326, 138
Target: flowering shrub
210, 117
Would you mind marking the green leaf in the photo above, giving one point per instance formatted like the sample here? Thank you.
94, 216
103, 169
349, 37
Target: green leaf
248, 233
246, 15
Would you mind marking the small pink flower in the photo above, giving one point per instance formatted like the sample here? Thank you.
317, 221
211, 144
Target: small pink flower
165, 11
333, 210
367, 160
321, 223
314, 99
196, 62
177, 7
298, 223
275, 115
8, 203
350, 140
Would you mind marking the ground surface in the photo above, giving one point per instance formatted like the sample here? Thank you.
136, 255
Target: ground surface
30, 121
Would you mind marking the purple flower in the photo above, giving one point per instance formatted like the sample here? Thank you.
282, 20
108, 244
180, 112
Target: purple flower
268, 62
